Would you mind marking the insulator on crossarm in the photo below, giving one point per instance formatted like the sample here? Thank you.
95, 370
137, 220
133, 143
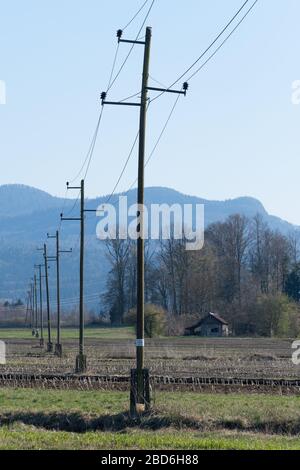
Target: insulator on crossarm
185, 87
103, 96
119, 34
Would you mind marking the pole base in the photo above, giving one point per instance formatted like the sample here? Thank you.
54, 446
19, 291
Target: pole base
41, 342
139, 392
49, 347
58, 350
80, 364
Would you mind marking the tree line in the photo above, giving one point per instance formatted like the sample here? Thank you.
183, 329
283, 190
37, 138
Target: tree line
246, 272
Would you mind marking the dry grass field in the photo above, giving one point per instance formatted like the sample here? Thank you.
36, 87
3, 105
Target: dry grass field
112, 352
180, 419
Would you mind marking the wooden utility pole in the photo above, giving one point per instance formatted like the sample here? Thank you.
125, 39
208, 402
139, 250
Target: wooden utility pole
58, 345
27, 308
80, 366
49, 344
41, 309
31, 306
140, 388
140, 229
140, 395
81, 358
39, 267
35, 331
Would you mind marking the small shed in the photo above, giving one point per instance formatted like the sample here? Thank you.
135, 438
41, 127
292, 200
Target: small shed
212, 325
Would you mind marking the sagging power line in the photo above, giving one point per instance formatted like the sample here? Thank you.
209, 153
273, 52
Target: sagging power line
203, 54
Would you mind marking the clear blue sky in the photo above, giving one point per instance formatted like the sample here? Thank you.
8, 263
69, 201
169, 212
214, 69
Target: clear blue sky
236, 133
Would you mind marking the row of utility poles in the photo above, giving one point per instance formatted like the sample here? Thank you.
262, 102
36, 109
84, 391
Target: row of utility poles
140, 388
35, 299
37, 315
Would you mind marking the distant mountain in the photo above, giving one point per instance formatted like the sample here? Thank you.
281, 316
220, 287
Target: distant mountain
28, 214
17, 199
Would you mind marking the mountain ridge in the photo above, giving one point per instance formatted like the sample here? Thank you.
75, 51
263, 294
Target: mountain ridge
37, 213
16, 193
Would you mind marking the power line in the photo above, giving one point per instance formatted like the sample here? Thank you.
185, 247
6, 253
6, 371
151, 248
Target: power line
74, 300
129, 97
125, 165
91, 149
88, 159
224, 42
151, 153
192, 76
157, 81
111, 82
74, 205
163, 131
136, 15
159, 138
132, 47
94, 144
124, 168
88, 153
63, 208
206, 50
113, 66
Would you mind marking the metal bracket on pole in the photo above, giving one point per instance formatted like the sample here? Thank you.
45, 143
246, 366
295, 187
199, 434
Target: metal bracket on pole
184, 90
103, 97
128, 41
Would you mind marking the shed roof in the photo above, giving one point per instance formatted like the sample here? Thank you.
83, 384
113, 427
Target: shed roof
214, 316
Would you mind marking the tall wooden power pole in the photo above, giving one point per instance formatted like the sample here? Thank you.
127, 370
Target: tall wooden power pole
81, 358
58, 345
140, 388
81, 365
35, 330
49, 343
31, 306
41, 309
140, 393
39, 267
27, 308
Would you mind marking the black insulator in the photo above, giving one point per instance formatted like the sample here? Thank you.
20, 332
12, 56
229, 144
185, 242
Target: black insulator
67, 183
185, 86
103, 95
119, 34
